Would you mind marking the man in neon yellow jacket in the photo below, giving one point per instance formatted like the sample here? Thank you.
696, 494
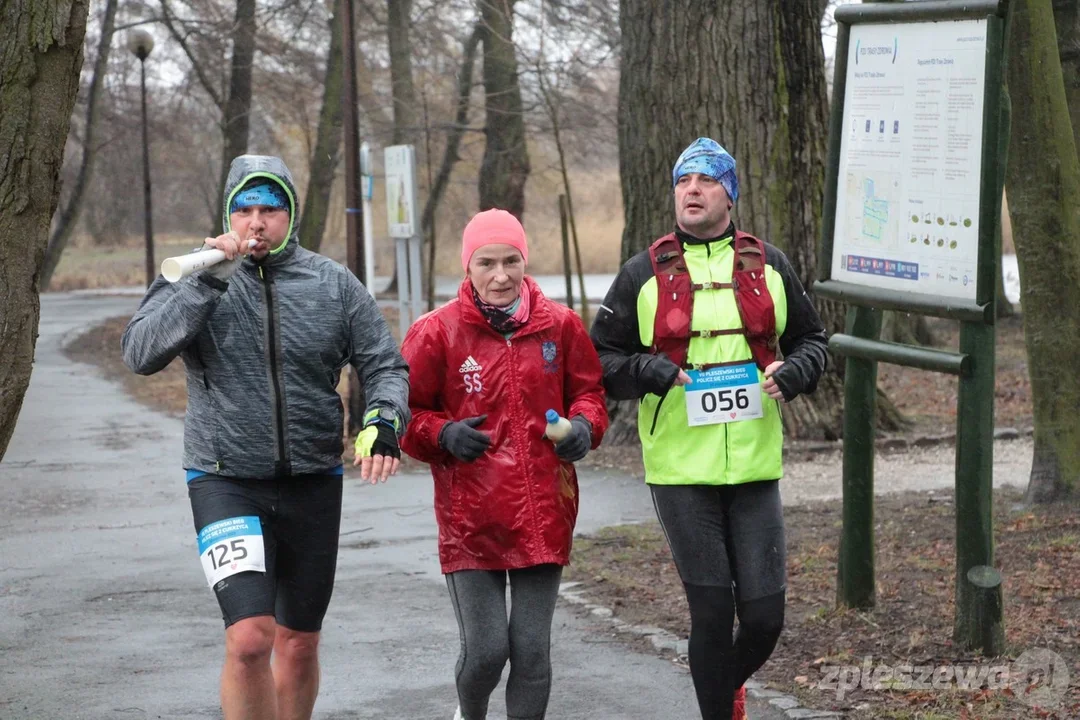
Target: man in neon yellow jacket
692, 327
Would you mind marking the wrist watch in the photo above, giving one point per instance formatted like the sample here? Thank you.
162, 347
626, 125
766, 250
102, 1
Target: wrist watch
385, 415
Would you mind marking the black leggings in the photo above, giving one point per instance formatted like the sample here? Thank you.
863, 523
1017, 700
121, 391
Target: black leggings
489, 639
728, 545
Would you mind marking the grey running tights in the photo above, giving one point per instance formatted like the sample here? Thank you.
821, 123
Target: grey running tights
489, 639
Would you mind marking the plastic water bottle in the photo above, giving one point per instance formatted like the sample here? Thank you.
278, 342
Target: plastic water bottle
557, 427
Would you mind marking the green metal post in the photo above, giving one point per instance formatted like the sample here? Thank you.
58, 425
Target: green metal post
974, 479
855, 568
974, 626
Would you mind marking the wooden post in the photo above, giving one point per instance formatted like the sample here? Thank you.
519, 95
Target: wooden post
354, 221
567, 269
855, 567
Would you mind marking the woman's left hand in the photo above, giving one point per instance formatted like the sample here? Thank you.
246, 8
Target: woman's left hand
576, 445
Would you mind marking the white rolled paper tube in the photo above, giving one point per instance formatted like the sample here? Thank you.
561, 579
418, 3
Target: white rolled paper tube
177, 268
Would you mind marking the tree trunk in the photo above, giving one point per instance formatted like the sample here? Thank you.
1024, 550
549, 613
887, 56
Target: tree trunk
453, 138
236, 122
327, 152
1067, 26
906, 328
505, 166
41, 45
65, 224
401, 78
751, 75
402, 89
1043, 180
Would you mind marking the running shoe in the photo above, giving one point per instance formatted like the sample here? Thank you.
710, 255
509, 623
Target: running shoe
739, 708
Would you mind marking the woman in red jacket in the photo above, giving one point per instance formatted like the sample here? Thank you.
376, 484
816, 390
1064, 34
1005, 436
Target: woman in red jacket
483, 371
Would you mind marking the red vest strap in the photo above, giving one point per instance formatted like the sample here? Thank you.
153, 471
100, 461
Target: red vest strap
675, 300
753, 299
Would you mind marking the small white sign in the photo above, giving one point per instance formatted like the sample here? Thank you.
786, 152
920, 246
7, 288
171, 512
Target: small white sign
401, 211
231, 546
723, 394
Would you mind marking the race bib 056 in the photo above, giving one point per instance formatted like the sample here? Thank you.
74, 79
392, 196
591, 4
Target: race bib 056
229, 546
723, 394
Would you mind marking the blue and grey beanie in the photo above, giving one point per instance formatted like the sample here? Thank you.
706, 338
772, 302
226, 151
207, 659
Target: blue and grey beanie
260, 191
708, 157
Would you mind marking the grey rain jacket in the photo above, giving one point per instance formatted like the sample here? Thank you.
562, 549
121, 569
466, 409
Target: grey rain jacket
263, 352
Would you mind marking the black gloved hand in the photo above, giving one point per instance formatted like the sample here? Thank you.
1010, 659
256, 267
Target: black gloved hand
386, 441
659, 374
377, 438
462, 440
576, 445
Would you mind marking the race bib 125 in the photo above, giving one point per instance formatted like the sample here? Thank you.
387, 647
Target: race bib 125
229, 546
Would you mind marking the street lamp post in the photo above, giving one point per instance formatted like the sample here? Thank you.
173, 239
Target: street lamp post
141, 43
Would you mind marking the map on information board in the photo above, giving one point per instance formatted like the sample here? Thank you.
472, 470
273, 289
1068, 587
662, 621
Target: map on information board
907, 201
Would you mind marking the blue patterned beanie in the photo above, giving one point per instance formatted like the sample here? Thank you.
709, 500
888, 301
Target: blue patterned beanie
708, 157
260, 191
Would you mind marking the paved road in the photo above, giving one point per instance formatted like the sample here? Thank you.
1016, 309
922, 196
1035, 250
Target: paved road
104, 612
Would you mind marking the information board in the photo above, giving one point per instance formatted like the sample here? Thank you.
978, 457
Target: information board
907, 195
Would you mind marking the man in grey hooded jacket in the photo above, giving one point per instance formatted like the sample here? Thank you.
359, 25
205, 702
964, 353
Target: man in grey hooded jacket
263, 336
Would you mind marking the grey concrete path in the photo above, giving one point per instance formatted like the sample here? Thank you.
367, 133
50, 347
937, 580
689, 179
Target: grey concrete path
104, 612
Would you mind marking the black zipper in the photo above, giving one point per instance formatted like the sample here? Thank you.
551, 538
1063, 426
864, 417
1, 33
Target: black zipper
279, 404
656, 414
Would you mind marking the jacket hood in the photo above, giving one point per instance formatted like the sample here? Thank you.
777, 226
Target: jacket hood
246, 167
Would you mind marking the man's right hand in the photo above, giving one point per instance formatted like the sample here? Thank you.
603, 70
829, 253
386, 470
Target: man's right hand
661, 374
462, 440
235, 251
229, 243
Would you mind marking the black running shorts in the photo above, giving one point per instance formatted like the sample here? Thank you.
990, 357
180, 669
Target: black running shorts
728, 535
300, 518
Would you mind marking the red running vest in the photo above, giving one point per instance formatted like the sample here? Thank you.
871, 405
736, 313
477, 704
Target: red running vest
675, 301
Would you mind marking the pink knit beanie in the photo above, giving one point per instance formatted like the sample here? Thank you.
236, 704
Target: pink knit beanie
492, 227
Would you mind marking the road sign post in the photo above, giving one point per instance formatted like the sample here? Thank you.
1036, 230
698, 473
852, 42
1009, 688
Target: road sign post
367, 184
403, 219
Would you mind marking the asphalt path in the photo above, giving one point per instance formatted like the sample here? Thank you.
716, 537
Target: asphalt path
105, 612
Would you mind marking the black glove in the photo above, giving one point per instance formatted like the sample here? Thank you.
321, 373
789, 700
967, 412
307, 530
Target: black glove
462, 440
659, 375
576, 445
386, 442
378, 438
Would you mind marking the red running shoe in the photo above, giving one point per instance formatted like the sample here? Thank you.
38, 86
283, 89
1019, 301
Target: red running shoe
739, 707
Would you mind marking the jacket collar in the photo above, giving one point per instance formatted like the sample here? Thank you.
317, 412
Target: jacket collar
687, 239
540, 317
273, 261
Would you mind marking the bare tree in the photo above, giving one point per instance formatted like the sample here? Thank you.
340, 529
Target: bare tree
1067, 27
1043, 181
237, 121
401, 74
41, 42
65, 223
327, 151
506, 160
456, 130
